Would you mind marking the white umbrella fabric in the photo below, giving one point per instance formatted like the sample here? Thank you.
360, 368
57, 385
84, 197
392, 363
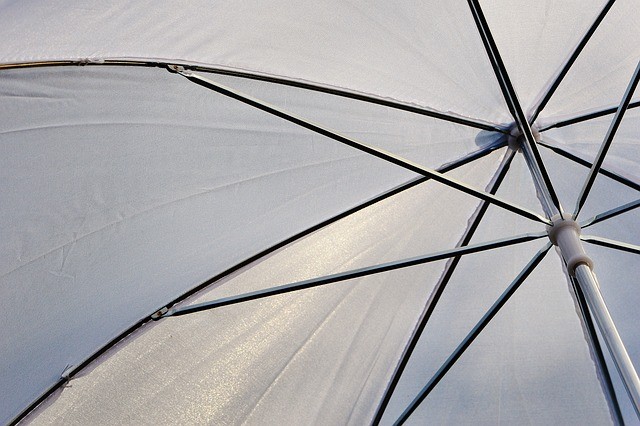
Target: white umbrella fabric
335, 187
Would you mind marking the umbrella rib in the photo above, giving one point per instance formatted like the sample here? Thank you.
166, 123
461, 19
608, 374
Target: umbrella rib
462, 347
363, 97
611, 213
511, 97
585, 117
439, 288
356, 273
605, 242
604, 147
574, 55
585, 163
369, 149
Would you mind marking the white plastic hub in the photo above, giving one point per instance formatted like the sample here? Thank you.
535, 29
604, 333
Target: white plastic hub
565, 233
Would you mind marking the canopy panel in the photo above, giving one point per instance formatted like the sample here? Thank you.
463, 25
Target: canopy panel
534, 36
584, 139
140, 185
250, 361
422, 53
598, 78
425, 140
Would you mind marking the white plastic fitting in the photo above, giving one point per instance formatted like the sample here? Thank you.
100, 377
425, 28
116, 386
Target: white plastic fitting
565, 233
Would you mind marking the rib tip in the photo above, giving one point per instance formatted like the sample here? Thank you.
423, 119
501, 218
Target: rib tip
159, 313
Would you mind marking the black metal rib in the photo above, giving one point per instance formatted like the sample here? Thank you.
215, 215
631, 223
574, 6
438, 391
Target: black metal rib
604, 148
511, 97
349, 275
439, 289
364, 98
601, 363
450, 117
374, 151
610, 213
574, 55
605, 242
585, 117
611, 175
457, 353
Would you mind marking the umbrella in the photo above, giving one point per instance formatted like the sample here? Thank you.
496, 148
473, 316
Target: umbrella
264, 212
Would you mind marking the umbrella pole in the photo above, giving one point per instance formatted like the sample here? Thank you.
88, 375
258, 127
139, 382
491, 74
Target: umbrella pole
565, 233
589, 284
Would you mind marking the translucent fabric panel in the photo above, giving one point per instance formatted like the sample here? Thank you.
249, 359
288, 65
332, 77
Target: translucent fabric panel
518, 187
388, 231
317, 356
124, 188
423, 53
428, 141
621, 228
602, 72
536, 38
584, 140
568, 178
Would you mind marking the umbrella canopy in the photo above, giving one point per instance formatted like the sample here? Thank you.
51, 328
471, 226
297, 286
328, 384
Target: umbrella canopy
339, 212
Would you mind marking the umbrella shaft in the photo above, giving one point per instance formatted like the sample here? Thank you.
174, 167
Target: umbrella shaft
591, 289
565, 233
